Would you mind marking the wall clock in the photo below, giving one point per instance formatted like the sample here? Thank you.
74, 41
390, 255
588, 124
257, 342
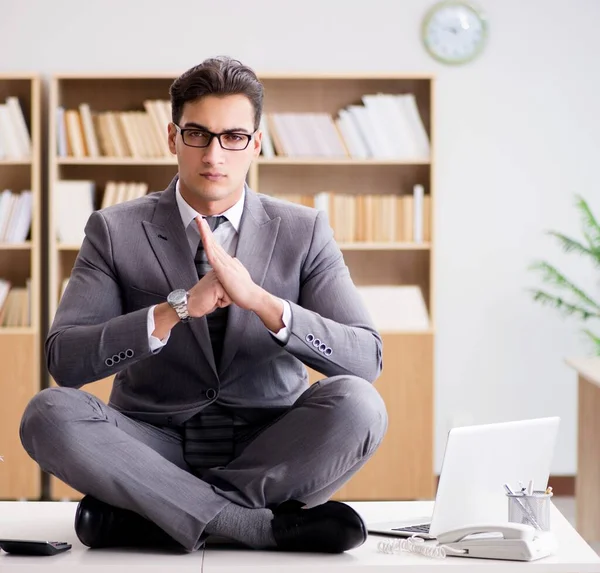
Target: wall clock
454, 32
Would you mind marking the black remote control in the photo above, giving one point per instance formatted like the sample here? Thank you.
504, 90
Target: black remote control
26, 547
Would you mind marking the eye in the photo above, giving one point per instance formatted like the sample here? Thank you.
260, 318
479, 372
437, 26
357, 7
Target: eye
197, 134
234, 137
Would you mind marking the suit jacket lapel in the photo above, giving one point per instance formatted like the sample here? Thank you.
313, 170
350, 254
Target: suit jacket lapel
256, 241
167, 237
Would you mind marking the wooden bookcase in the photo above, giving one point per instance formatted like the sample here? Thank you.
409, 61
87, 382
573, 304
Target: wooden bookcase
20, 375
403, 466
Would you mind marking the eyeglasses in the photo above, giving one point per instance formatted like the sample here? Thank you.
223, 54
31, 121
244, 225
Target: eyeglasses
231, 141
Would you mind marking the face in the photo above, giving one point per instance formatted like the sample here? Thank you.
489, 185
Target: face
211, 179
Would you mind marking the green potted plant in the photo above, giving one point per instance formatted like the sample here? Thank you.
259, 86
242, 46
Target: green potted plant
568, 298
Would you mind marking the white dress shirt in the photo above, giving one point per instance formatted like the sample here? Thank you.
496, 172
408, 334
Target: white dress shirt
226, 234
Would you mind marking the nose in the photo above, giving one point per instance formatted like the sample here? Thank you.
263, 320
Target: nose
213, 153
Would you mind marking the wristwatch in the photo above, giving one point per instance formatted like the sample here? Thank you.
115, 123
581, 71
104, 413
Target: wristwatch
177, 300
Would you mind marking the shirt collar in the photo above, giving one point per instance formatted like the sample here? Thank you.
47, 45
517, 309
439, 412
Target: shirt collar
188, 214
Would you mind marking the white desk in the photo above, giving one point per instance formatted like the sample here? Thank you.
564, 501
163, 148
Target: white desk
54, 521
587, 484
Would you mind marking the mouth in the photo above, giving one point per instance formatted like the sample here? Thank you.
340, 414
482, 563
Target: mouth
211, 176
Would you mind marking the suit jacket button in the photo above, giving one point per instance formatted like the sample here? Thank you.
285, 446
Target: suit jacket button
116, 358
122, 355
328, 351
309, 337
323, 347
109, 362
211, 393
129, 353
316, 343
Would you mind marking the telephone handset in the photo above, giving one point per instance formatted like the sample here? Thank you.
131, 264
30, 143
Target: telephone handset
512, 541
506, 530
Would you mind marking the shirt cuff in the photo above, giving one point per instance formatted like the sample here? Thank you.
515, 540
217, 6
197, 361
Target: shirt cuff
155, 343
283, 335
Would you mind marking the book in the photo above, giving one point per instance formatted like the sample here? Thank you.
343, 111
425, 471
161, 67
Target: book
396, 308
74, 203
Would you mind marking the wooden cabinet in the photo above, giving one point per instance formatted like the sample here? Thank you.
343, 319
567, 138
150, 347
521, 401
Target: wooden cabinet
20, 375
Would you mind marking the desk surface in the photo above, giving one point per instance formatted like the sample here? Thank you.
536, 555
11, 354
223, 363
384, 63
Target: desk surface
54, 521
588, 367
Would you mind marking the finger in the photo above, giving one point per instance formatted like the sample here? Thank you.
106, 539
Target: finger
215, 253
208, 278
203, 228
238, 263
223, 302
206, 237
220, 256
220, 252
223, 298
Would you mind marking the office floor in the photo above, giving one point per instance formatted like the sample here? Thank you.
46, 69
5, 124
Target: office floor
566, 505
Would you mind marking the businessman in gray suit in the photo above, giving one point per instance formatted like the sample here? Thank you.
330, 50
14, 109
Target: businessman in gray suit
206, 300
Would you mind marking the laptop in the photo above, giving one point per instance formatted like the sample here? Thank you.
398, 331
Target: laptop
478, 461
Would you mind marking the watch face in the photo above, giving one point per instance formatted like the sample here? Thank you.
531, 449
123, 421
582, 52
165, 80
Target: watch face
454, 32
177, 296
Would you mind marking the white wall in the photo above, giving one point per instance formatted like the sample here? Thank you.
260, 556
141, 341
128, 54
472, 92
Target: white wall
517, 136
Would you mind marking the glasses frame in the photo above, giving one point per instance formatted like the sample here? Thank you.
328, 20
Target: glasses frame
182, 130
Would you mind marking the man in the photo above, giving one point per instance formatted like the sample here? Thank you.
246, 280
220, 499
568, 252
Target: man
211, 426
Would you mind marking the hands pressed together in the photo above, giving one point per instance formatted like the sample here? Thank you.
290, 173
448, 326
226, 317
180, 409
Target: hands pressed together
228, 282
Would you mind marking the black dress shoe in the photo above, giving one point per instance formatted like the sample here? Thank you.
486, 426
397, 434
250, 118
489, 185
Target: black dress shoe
333, 527
99, 524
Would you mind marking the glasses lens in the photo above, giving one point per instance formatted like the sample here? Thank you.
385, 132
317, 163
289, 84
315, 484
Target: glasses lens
234, 141
196, 138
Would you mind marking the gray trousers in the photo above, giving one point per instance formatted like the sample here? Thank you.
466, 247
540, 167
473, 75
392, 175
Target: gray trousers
306, 454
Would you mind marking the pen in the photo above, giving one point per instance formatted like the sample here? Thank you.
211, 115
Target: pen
530, 487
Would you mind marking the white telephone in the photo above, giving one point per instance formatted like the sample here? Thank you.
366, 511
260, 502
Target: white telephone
512, 541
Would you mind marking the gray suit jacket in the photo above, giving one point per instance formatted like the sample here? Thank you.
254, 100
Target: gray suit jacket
135, 253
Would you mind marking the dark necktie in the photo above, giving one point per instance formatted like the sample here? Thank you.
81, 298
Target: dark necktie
208, 436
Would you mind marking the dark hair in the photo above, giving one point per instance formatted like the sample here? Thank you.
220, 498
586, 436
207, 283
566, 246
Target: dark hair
216, 76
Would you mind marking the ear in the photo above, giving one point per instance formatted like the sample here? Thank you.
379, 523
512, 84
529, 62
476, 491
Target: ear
172, 134
257, 141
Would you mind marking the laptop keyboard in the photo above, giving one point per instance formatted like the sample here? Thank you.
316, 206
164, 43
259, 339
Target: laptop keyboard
414, 528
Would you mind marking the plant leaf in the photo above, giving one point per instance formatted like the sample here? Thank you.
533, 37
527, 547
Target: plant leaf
570, 245
565, 307
590, 225
552, 276
595, 340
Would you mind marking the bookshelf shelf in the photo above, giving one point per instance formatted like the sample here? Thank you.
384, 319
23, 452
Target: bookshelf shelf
343, 246
261, 161
17, 330
406, 384
408, 332
384, 246
16, 246
7, 162
20, 347
68, 247
331, 161
117, 161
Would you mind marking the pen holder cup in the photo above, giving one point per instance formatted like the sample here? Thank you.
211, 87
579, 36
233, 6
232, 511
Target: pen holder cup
531, 510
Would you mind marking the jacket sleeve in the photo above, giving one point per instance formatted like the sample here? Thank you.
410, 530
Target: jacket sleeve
331, 330
90, 337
